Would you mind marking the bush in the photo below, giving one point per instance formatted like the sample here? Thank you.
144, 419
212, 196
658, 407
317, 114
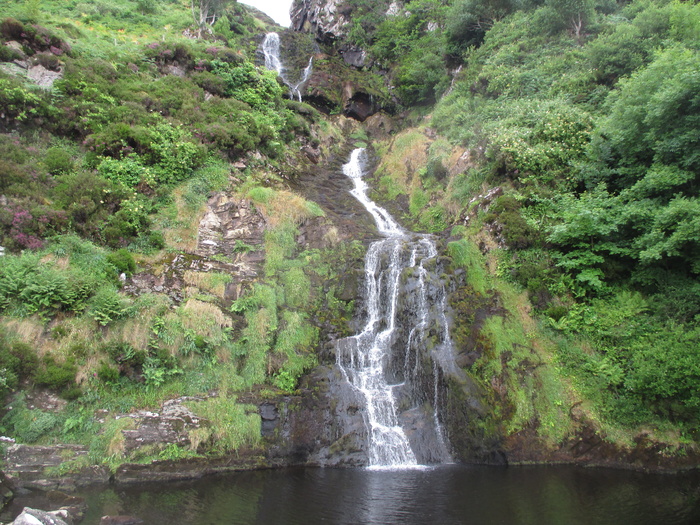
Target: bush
56, 375
28, 426
18, 361
107, 373
123, 261
57, 161
107, 306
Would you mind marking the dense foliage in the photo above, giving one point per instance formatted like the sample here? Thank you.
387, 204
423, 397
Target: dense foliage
106, 173
585, 115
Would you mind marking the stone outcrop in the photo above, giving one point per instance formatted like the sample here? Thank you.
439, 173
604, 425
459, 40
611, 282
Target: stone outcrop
322, 426
326, 19
171, 425
336, 87
230, 240
234, 228
38, 467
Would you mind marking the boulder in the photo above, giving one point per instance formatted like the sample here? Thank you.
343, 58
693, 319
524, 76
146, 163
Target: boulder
170, 425
31, 516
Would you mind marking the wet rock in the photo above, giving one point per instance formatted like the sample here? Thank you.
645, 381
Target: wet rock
323, 426
32, 466
6, 490
334, 86
121, 520
270, 419
31, 516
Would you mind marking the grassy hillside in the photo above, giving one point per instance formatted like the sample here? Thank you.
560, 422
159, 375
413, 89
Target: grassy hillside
106, 173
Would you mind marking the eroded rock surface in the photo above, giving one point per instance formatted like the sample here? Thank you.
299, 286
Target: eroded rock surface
326, 19
39, 467
234, 228
170, 425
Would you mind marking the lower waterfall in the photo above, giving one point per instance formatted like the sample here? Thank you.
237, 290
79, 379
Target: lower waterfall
384, 361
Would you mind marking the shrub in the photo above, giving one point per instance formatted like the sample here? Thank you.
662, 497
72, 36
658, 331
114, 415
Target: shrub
123, 261
28, 426
57, 161
56, 375
18, 361
107, 373
107, 306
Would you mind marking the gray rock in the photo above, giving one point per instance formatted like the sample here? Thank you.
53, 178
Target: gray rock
121, 520
169, 426
12, 44
31, 516
327, 19
43, 77
353, 55
30, 466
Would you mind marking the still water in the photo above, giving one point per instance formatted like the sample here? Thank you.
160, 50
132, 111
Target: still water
440, 496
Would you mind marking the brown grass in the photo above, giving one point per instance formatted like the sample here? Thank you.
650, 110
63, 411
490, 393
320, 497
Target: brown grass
205, 318
211, 282
284, 206
408, 152
183, 234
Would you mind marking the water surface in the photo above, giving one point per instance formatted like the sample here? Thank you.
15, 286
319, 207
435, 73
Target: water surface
444, 495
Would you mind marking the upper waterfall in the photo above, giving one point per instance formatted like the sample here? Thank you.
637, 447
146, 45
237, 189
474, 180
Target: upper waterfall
273, 61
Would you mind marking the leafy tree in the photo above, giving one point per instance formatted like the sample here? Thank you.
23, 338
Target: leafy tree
469, 20
575, 14
207, 12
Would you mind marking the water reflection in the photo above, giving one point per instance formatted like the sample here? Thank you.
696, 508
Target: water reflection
444, 495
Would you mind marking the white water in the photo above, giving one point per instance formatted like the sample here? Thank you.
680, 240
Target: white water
271, 50
365, 362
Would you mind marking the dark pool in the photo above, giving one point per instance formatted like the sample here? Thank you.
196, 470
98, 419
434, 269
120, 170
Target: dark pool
445, 495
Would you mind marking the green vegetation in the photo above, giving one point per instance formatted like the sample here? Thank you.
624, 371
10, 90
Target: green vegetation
572, 152
554, 148
106, 172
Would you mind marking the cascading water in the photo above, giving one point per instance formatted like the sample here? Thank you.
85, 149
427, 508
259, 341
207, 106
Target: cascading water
271, 50
366, 359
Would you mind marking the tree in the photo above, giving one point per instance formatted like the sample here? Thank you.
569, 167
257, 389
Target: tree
206, 13
468, 21
574, 13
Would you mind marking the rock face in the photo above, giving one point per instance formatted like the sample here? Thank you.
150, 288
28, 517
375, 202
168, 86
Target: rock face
323, 426
170, 425
336, 87
326, 19
37, 467
234, 228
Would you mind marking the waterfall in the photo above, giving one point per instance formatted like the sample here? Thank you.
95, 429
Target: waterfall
271, 50
366, 358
